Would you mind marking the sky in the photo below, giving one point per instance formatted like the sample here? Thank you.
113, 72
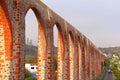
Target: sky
99, 20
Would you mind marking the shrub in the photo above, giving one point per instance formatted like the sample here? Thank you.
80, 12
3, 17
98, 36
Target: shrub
107, 63
31, 78
27, 74
116, 71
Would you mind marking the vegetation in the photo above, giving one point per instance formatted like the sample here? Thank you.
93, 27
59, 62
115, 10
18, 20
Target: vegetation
27, 73
114, 68
31, 78
55, 62
31, 59
116, 71
110, 50
31, 54
55, 66
28, 76
107, 63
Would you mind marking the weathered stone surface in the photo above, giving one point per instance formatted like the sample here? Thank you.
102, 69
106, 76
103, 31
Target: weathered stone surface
78, 58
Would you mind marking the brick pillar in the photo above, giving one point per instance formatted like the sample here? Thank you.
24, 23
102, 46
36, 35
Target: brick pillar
76, 62
8, 50
2, 51
16, 51
96, 65
66, 59
77, 66
74, 57
86, 59
80, 61
100, 64
89, 67
43, 74
22, 49
49, 61
2, 43
5, 43
71, 57
83, 63
16, 41
60, 61
66, 69
93, 64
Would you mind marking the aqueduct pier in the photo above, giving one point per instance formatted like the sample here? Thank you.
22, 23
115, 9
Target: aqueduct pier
78, 58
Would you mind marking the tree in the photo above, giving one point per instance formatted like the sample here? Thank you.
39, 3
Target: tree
107, 62
28, 76
55, 66
31, 78
31, 59
116, 71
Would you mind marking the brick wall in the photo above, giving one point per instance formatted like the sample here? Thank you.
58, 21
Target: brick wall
78, 58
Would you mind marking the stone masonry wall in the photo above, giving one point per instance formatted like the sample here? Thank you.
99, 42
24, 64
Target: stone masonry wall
78, 58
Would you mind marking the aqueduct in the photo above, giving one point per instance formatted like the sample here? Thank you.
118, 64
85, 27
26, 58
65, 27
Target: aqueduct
78, 58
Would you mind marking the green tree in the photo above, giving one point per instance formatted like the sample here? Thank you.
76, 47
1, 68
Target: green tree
28, 76
31, 78
116, 71
55, 66
31, 59
107, 63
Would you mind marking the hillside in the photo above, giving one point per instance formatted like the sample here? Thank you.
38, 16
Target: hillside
111, 50
32, 50
31, 53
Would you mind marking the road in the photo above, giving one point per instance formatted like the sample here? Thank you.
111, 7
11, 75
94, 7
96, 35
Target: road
108, 75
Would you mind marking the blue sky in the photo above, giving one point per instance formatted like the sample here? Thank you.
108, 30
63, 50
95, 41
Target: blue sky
99, 20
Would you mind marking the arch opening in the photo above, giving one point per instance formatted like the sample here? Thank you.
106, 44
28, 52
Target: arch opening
31, 37
58, 51
55, 54
36, 44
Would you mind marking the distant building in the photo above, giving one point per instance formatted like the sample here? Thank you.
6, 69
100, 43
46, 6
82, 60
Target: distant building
32, 67
115, 58
29, 41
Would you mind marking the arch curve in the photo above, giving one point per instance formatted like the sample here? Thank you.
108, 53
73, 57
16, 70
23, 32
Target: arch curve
42, 43
60, 51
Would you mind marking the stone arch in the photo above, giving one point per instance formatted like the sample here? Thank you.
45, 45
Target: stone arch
37, 13
41, 42
5, 42
60, 51
71, 54
60, 40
